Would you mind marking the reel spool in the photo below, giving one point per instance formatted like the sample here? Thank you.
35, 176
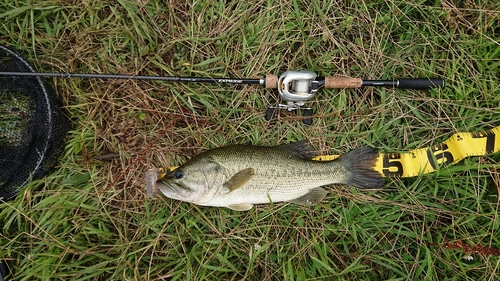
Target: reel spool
296, 87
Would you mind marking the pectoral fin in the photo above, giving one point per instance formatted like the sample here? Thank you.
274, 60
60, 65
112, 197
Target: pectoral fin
313, 197
239, 179
240, 207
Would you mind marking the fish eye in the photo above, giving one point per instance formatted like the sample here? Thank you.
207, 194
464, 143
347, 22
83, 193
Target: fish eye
179, 174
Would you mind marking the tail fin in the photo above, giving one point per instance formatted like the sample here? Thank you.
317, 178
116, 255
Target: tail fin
361, 162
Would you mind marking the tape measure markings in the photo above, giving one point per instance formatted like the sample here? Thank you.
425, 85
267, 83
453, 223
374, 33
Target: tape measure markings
428, 160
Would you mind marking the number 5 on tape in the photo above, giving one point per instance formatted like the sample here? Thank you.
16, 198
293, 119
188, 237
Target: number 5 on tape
428, 160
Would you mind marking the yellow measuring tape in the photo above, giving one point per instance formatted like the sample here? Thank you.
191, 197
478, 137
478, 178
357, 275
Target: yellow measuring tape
427, 160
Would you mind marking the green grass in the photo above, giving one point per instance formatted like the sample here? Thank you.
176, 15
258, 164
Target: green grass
90, 219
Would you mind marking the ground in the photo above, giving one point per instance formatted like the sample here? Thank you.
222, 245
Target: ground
90, 219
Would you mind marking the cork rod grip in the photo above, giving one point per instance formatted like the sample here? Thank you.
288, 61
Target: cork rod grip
342, 82
271, 81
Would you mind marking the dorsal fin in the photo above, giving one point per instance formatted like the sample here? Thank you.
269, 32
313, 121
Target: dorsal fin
301, 149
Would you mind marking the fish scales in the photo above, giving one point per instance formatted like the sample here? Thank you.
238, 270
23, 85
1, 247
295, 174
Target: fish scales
242, 175
279, 176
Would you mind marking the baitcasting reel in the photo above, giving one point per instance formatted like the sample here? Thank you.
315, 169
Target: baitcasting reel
295, 88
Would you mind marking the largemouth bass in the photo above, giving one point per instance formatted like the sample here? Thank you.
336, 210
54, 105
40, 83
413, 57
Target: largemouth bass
240, 176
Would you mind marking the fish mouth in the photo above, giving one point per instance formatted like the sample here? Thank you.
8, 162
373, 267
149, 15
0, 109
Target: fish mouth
172, 191
153, 186
178, 191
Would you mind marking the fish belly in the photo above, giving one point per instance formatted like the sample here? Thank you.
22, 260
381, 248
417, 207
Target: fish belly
272, 184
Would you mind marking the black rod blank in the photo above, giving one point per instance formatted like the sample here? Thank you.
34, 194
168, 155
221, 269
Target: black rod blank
134, 77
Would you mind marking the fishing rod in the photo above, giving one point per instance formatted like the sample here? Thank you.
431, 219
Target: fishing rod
294, 86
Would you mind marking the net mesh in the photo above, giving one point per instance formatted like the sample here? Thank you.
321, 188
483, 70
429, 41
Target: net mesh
32, 127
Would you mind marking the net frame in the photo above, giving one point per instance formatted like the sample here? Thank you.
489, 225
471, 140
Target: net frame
34, 156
